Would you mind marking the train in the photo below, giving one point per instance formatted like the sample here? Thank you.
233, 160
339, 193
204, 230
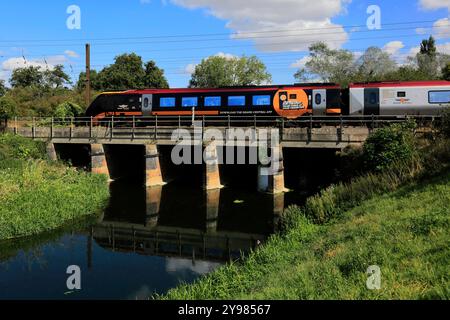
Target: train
396, 98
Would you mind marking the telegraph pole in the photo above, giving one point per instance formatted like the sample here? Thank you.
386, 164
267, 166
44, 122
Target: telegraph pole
88, 74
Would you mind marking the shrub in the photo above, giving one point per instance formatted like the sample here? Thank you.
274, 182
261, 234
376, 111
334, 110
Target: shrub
389, 145
444, 126
12, 146
68, 110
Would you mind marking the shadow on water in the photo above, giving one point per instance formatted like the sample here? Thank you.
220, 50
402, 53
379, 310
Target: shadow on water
148, 240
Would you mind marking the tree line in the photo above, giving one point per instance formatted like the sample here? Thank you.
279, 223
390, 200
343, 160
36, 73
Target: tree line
36, 91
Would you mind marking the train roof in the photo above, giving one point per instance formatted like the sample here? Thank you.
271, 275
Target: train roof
229, 89
382, 84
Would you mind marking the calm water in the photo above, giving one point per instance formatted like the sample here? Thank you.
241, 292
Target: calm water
149, 240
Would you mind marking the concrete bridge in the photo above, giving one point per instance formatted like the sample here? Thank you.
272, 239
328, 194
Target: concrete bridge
207, 133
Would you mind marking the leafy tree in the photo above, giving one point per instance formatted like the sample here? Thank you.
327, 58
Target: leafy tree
95, 81
446, 72
329, 65
374, 65
217, 71
3, 88
56, 77
154, 76
27, 77
8, 107
125, 73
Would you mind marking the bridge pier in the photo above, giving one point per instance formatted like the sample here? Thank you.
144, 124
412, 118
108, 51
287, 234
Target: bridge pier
99, 164
271, 176
212, 174
51, 151
153, 176
153, 202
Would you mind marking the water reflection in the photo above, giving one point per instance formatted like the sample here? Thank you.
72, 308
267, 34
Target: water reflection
146, 241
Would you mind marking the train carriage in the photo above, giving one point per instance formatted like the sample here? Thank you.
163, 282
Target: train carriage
290, 102
424, 98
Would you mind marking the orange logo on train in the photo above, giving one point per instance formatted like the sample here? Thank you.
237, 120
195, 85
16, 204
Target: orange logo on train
291, 104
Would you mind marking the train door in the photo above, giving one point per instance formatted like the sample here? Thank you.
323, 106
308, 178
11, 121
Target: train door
147, 104
319, 102
371, 101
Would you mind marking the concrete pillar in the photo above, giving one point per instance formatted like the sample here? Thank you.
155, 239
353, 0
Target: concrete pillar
51, 152
153, 176
212, 174
98, 160
153, 202
278, 210
212, 210
271, 177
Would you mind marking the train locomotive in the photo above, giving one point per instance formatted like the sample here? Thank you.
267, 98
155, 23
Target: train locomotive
424, 98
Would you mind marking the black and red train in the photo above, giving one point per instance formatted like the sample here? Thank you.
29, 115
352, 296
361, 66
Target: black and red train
426, 98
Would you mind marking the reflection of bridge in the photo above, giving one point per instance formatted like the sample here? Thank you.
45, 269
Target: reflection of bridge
204, 243
310, 132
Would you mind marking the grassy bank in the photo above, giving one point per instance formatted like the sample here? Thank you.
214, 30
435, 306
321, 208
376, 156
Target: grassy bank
397, 219
37, 195
405, 233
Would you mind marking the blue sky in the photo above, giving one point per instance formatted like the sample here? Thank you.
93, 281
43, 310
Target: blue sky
177, 34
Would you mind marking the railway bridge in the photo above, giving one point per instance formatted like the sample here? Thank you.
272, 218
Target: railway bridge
206, 134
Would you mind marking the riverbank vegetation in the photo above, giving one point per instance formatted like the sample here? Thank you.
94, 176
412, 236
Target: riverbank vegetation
37, 195
394, 215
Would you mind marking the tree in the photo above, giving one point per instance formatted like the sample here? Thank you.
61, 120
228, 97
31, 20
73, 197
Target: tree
328, 64
3, 88
218, 71
27, 77
446, 72
8, 107
56, 77
374, 65
154, 76
125, 73
95, 81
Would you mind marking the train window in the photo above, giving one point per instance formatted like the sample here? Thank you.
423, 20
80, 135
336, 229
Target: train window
261, 100
146, 102
167, 102
401, 94
292, 97
439, 96
213, 101
236, 101
189, 102
318, 98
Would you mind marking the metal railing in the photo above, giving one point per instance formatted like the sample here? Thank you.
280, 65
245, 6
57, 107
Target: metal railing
155, 127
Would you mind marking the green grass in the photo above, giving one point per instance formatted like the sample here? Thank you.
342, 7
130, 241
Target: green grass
37, 195
405, 233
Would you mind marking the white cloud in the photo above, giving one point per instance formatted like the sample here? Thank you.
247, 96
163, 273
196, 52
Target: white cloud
299, 22
19, 62
441, 28
145, 1
301, 63
422, 30
11, 64
71, 54
181, 265
434, 4
190, 68
443, 48
393, 47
